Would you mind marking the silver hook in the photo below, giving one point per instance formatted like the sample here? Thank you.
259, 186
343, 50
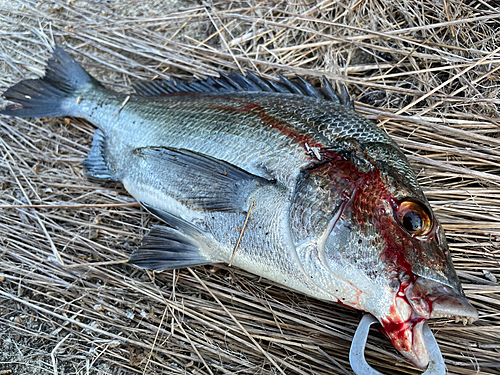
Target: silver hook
357, 352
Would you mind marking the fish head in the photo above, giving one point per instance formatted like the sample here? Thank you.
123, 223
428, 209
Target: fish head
420, 284
389, 246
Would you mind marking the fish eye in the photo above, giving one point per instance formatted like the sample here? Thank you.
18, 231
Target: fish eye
414, 217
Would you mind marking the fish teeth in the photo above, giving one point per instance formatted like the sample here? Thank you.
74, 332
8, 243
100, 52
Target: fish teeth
464, 319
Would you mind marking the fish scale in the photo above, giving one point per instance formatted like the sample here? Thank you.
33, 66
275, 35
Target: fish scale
219, 138
280, 179
281, 143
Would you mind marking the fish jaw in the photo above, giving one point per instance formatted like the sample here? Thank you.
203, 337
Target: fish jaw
403, 327
436, 300
415, 303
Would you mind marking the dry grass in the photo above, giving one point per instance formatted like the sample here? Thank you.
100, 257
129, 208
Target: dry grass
426, 71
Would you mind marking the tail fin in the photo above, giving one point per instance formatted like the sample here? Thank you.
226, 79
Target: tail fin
44, 97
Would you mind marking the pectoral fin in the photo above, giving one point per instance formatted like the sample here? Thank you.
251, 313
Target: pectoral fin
199, 181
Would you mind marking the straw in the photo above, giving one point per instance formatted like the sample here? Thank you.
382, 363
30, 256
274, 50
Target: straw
427, 72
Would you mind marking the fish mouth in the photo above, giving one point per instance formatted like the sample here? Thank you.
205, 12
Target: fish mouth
422, 300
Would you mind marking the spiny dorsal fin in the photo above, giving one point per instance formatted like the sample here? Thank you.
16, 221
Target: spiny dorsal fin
236, 82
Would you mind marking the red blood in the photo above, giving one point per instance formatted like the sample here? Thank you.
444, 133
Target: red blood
398, 330
282, 126
368, 192
368, 189
346, 305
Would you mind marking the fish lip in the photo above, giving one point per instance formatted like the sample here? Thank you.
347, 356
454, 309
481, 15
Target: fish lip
432, 299
420, 355
407, 337
421, 300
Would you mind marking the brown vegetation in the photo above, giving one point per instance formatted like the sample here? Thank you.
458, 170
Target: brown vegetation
426, 71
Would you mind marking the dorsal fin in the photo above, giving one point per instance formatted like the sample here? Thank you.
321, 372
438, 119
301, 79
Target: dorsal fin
236, 82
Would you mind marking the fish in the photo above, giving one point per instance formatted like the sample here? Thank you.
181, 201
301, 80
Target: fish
277, 177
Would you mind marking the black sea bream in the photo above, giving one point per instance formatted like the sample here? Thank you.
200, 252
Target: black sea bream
336, 210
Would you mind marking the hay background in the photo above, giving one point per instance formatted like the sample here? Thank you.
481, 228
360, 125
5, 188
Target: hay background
426, 71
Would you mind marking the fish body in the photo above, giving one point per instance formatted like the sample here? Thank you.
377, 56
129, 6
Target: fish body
281, 180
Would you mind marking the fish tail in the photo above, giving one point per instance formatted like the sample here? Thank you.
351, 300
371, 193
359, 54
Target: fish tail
49, 96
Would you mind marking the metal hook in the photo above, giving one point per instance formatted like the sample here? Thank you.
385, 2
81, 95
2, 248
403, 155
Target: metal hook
357, 352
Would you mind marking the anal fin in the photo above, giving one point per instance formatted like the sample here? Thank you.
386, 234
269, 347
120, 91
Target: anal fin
166, 248
96, 162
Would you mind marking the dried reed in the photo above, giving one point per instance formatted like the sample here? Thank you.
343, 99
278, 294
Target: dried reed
426, 71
